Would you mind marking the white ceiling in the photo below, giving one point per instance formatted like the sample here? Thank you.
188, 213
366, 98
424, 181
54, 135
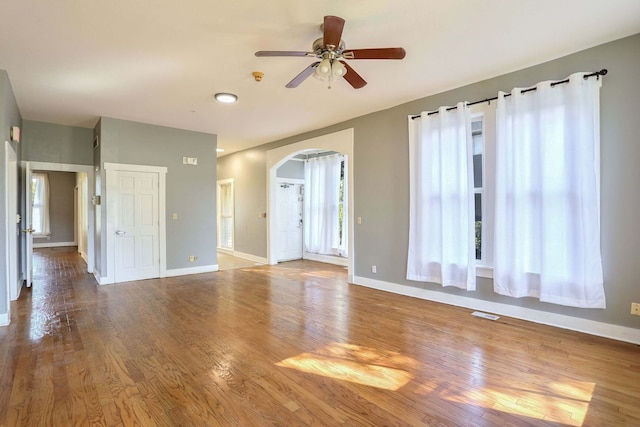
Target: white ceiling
161, 61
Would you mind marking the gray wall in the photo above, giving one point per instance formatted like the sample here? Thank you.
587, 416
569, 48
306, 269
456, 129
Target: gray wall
381, 179
248, 169
9, 116
61, 215
291, 169
47, 142
191, 190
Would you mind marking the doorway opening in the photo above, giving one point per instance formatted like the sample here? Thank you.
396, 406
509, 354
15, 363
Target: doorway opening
80, 231
339, 142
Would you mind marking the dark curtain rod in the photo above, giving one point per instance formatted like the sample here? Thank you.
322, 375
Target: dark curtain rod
597, 74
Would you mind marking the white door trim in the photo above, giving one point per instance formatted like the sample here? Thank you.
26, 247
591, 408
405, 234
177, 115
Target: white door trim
109, 231
11, 242
341, 142
66, 167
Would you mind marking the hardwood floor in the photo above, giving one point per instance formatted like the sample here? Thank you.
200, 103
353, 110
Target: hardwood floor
230, 262
291, 345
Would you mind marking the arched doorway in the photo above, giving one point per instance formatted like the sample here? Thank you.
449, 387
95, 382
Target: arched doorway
341, 142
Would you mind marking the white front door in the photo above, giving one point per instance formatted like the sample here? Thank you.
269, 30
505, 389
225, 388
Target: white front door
137, 248
290, 226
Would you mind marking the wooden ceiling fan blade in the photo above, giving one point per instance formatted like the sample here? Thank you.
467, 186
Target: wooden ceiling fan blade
302, 76
353, 78
380, 53
282, 53
332, 30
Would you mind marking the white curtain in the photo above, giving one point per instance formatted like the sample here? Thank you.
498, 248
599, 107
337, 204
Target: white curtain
547, 240
40, 203
441, 218
321, 205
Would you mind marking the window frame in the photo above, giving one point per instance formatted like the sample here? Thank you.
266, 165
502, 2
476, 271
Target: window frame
42, 207
230, 183
487, 111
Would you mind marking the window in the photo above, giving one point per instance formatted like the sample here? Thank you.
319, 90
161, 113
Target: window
477, 125
225, 214
324, 209
547, 203
441, 199
342, 217
483, 131
40, 204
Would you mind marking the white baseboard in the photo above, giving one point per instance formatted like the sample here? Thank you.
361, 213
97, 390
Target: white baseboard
4, 319
329, 259
19, 288
248, 257
169, 273
616, 332
102, 280
54, 244
191, 270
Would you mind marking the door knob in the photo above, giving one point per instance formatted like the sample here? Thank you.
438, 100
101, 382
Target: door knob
28, 230
120, 232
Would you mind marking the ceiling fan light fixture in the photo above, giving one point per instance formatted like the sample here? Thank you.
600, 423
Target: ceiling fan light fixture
324, 69
338, 69
227, 98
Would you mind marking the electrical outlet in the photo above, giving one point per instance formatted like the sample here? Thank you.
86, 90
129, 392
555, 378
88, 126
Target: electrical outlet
635, 308
374, 269
193, 258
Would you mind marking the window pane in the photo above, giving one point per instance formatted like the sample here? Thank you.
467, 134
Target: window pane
478, 218
477, 170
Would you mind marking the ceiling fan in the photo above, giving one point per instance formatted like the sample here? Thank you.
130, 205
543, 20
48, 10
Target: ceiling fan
330, 50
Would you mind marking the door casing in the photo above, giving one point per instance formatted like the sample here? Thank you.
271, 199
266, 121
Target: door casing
28, 168
109, 236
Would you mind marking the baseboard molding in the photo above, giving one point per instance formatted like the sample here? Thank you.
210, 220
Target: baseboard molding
19, 286
54, 244
248, 257
606, 330
102, 280
191, 270
4, 319
328, 259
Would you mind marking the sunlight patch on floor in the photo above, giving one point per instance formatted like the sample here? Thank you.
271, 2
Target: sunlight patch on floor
357, 364
557, 402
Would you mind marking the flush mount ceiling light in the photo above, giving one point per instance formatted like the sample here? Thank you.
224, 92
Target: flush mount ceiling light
227, 98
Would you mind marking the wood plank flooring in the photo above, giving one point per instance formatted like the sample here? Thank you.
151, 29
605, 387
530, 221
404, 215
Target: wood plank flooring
230, 262
291, 345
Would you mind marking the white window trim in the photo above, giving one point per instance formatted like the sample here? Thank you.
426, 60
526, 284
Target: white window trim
219, 184
484, 267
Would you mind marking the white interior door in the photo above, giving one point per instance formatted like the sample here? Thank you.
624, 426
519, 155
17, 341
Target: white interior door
27, 227
290, 225
137, 249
